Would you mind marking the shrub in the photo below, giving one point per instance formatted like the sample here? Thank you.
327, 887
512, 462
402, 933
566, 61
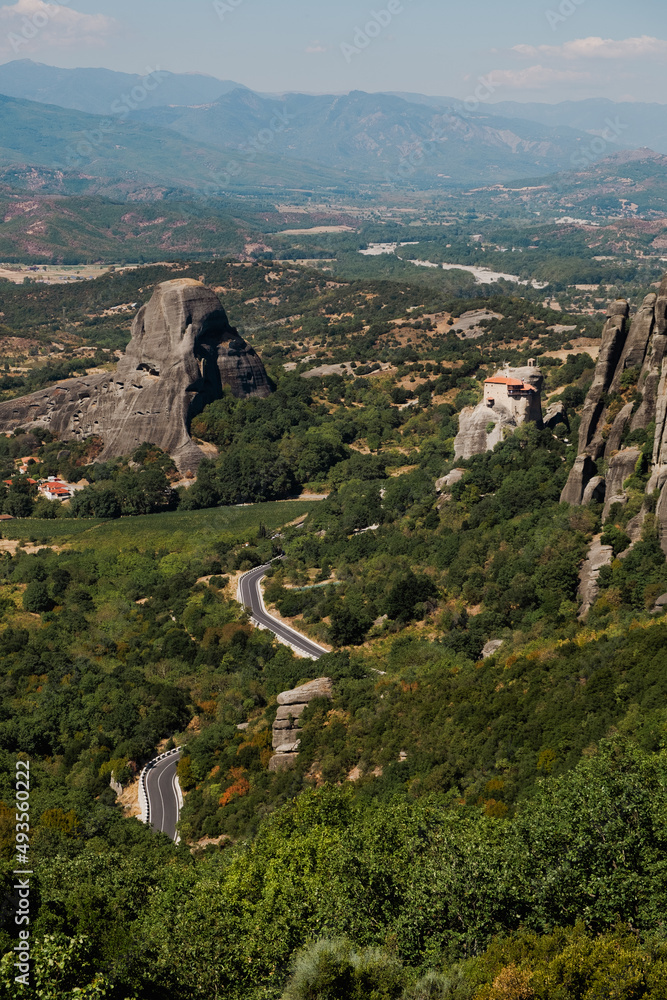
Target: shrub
333, 970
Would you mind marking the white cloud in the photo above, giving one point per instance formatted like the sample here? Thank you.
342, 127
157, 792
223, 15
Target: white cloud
536, 77
315, 47
598, 48
30, 25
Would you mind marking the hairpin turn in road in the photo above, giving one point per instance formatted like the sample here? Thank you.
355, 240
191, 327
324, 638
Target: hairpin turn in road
159, 777
250, 595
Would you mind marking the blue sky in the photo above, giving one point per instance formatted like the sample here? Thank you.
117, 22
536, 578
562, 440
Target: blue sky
546, 50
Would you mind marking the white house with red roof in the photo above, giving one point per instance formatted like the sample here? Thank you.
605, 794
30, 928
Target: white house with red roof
511, 397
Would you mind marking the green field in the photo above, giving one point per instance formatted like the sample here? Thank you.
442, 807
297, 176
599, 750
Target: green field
186, 532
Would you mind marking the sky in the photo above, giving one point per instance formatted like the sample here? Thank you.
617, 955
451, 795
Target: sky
519, 50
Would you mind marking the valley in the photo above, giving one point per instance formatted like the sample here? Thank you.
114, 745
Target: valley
333, 535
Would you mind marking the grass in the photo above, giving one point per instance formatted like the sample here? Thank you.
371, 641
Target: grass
187, 532
61, 529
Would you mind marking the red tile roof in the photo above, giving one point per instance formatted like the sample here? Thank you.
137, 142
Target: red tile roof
511, 383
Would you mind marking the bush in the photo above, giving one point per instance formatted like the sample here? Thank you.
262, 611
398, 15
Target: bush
333, 970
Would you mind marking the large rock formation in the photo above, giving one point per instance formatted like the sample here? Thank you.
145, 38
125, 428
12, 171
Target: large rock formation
511, 398
605, 463
287, 727
613, 341
599, 555
183, 354
624, 346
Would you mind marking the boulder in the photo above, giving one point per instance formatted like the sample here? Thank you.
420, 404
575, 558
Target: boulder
455, 476
320, 688
183, 355
283, 761
491, 648
556, 414
659, 605
288, 737
287, 712
287, 727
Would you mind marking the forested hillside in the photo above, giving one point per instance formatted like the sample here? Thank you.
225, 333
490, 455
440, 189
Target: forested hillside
464, 821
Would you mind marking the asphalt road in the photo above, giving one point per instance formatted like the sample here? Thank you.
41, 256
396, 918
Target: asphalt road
251, 597
163, 796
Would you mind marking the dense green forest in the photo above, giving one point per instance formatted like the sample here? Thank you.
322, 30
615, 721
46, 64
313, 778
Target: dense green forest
456, 826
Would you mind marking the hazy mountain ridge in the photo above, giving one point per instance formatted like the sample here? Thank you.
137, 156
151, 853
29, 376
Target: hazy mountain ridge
136, 154
375, 135
373, 138
96, 91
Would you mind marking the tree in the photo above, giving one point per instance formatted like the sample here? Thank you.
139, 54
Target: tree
36, 597
20, 498
348, 626
407, 593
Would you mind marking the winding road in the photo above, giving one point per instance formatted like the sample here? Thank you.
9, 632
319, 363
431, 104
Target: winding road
163, 793
250, 595
162, 797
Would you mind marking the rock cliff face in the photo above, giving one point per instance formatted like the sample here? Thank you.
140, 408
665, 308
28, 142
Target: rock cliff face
504, 408
182, 356
287, 726
627, 348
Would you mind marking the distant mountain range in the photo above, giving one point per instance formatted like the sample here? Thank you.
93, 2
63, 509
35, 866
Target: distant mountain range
99, 91
634, 124
188, 131
57, 149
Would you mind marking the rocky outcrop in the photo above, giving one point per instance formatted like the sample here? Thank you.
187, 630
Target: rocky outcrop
596, 489
661, 519
556, 414
621, 467
511, 398
582, 472
649, 378
636, 345
287, 727
641, 345
183, 355
599, 555
624, 346
613, 342
453, 477
491, 648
